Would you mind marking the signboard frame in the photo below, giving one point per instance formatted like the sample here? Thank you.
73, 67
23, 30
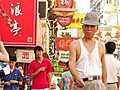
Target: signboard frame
26, 23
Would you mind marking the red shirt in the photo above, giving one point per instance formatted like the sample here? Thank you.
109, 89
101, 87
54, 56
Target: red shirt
41, 80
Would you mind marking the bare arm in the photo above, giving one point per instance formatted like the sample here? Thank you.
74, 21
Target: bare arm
8, 83
104, 71
37, 72
61, 84
3, 53
71, 84
20, 83
49, 80
72, 61
118, 83
72, 64
118, 76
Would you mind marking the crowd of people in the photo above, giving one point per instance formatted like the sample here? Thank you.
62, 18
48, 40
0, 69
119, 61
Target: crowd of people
91, 65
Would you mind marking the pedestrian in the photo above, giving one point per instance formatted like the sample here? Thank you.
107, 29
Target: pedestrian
4, 58
29, 82
113, 67
66, 78
54, 81
20, 68
40, 71
45, 55
87, 57
3, 53
13, 80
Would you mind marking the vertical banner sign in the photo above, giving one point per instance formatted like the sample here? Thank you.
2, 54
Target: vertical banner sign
23, 14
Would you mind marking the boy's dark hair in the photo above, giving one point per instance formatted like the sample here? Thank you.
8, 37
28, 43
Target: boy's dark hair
13, 58
39, 48
110, 47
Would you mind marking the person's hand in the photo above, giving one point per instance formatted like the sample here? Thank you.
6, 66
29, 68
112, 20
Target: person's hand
42, 69
13, 81
7, 83
105, 85
1, 43
79, 82
72, 80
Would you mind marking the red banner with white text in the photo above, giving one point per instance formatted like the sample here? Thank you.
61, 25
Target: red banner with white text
23, 14
63, 43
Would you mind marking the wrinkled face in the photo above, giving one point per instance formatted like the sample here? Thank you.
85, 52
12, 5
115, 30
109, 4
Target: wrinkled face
89, 30
39, 54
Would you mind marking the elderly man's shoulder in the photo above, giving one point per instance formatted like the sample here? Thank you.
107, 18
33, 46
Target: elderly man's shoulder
74, 42
102, 44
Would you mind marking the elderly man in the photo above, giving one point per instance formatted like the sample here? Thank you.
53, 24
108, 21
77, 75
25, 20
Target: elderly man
87, 57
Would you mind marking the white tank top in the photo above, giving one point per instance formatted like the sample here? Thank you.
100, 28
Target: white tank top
89, 64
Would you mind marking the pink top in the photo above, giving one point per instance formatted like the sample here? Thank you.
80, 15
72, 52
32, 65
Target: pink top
41, 80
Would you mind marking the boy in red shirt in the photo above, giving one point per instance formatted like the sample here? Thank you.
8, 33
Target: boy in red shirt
39, 70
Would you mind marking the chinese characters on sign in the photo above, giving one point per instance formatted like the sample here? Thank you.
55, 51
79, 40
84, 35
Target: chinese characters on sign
25, 55
15, 11
15, 28
63, 43
64, 2
22, 28
64, 10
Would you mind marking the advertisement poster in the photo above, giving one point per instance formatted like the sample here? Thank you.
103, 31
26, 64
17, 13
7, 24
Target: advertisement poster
23, 14
76, 21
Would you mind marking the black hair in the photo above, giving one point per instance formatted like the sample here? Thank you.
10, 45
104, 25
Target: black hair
110, 47
12, 58
39, 48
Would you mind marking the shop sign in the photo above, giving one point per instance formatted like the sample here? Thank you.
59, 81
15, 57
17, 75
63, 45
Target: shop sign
25, 55
23, 14
64, 21
63, 56
64, 3
63, 43
76, 21
64, 11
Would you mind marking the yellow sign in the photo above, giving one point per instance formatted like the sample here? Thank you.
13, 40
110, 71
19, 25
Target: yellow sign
76, 21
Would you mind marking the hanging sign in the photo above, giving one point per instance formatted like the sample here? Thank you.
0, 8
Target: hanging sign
22, 31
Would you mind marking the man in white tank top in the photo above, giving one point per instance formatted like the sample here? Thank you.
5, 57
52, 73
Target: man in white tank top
113, 67
87, 58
